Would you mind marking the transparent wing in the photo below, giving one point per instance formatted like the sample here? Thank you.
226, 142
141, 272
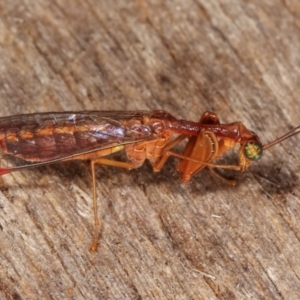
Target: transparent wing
35, 139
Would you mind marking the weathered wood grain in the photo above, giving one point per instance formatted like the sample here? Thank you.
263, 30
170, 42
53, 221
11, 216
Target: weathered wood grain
161, 239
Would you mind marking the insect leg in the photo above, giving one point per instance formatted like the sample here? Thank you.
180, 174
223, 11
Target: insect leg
157, 166
102, 161
215, 173
204, 148
187, 158
94, 244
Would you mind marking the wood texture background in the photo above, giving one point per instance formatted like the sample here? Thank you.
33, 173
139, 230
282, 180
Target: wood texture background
161, 239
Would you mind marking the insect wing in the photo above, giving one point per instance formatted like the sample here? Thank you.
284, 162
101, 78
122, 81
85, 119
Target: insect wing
36, 139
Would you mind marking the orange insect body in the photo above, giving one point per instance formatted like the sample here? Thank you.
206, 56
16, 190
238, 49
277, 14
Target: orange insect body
48, 137
37, 139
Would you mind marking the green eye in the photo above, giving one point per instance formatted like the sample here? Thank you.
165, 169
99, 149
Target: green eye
253, 150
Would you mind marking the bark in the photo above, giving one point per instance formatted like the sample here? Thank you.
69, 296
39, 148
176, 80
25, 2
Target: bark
160, 239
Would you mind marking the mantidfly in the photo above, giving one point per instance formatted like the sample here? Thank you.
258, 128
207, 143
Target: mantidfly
41, 138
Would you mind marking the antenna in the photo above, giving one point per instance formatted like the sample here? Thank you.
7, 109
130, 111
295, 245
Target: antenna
291, 133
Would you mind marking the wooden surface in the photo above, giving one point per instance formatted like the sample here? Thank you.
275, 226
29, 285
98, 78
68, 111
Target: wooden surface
161, 239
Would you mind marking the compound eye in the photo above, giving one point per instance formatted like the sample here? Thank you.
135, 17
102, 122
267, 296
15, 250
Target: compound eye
253, 150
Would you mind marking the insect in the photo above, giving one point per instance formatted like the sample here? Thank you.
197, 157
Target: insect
41, 138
